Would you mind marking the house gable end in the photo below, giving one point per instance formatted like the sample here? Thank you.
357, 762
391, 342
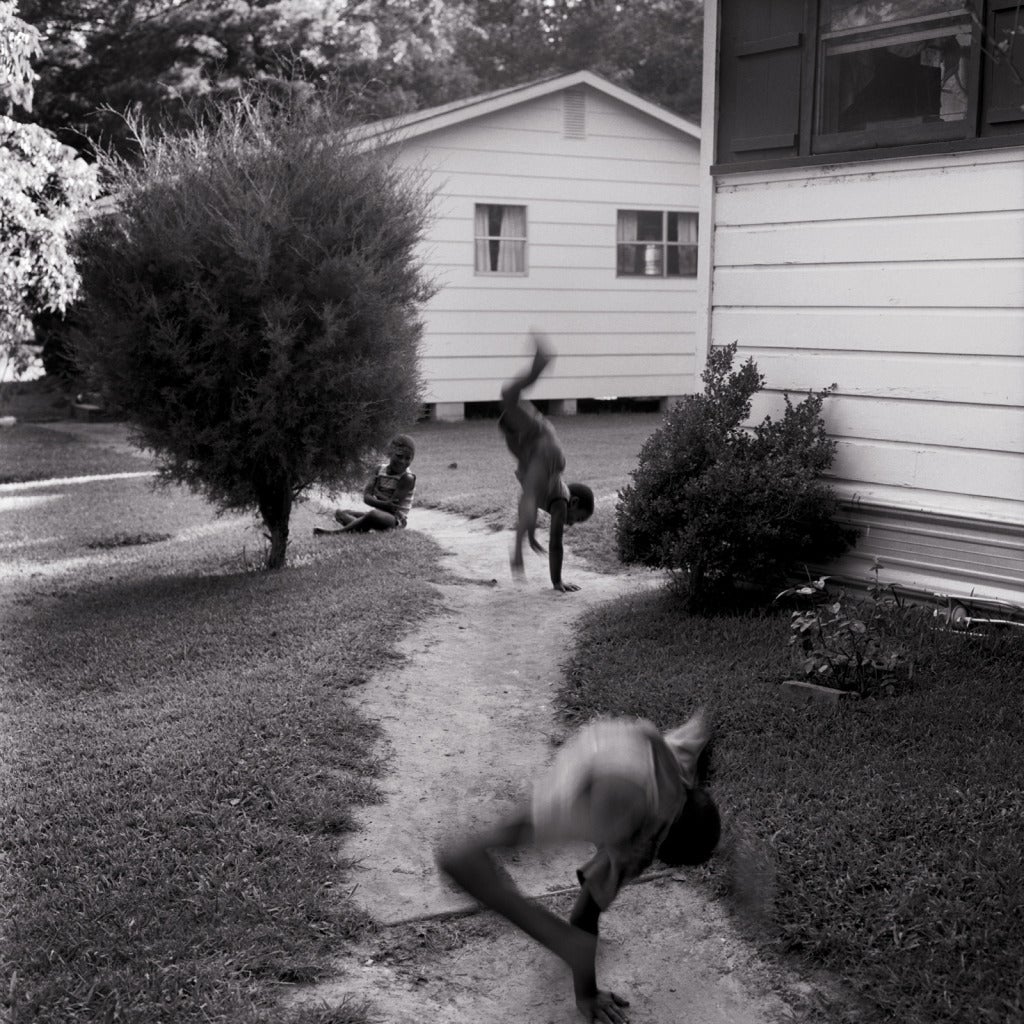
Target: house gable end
429, 121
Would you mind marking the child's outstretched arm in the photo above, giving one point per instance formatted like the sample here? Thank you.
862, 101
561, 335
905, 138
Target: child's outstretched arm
526, 523
393, 503
371, 499
592, 1002
471, 867
559, 512
406, 487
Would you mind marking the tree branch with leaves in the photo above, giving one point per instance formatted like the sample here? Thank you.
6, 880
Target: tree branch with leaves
43, 187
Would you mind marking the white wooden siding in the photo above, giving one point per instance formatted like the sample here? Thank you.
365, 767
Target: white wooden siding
902, 282
630, 336
995, 332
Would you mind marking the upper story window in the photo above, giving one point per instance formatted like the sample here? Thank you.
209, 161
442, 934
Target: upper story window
893, 72
655, 243
500, 239
798, 79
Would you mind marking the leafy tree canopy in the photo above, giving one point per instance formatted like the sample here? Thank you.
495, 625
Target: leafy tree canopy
155, 58
43, 185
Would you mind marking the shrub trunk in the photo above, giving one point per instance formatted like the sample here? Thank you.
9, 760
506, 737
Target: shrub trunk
275, 504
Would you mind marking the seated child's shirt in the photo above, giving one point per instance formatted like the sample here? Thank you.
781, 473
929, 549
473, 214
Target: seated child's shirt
632, 750
385, 487
531, 438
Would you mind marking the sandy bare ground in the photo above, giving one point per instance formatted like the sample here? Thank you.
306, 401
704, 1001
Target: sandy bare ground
468, 718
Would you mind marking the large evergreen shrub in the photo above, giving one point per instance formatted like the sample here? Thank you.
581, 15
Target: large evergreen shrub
253, 304
719, 504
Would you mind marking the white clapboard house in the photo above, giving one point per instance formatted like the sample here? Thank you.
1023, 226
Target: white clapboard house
568, 205
863, 223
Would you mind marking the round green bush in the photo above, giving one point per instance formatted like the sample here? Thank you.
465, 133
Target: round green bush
720, 505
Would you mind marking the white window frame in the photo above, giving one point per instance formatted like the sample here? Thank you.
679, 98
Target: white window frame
656, 250
484, 241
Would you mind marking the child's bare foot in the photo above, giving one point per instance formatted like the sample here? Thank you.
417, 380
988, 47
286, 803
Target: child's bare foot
542, 353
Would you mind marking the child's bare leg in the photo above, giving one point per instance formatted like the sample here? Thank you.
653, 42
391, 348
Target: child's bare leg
345, 516
375, 519
512, 392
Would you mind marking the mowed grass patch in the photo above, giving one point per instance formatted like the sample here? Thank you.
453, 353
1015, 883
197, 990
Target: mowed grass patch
31, 452
601, 450
884, 841
183, 759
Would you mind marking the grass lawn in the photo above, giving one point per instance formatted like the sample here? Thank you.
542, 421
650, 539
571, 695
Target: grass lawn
889, 835
177, 731
180, 752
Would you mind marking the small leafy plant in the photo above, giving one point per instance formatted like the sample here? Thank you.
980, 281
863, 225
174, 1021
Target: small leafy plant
870, 646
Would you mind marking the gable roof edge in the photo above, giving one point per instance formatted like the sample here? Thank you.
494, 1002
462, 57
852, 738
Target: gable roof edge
412, 125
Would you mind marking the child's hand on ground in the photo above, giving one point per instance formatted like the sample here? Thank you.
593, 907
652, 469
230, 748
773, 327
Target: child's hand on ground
567, 588
604, 1008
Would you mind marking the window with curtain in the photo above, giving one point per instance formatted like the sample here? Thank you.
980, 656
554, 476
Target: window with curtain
656, 243
500, 239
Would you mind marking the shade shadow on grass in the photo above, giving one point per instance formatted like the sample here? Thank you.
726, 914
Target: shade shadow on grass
29, 452
185, 759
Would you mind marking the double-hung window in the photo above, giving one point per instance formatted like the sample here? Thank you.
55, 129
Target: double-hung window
500, 239
892, 72
798, 78
656, 243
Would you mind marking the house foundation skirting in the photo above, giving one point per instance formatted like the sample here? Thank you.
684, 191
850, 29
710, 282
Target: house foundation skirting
932, 554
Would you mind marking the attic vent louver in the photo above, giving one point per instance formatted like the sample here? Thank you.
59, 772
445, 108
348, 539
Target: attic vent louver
574, 114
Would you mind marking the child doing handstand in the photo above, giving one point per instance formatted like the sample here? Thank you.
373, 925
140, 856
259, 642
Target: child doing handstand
628, 789
539, 464
388, 493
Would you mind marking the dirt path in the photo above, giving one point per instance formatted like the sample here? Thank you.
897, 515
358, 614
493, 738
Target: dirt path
469, 719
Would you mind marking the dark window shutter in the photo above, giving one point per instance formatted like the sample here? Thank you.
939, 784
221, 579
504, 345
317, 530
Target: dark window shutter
1002, 104
761, 46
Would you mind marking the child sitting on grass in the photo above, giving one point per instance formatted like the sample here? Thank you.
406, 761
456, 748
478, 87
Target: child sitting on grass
388, 493
539, 465
628, 789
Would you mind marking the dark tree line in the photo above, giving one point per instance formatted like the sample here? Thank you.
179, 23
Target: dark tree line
159, 58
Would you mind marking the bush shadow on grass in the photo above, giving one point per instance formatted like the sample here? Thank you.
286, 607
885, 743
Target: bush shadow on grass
186, 757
